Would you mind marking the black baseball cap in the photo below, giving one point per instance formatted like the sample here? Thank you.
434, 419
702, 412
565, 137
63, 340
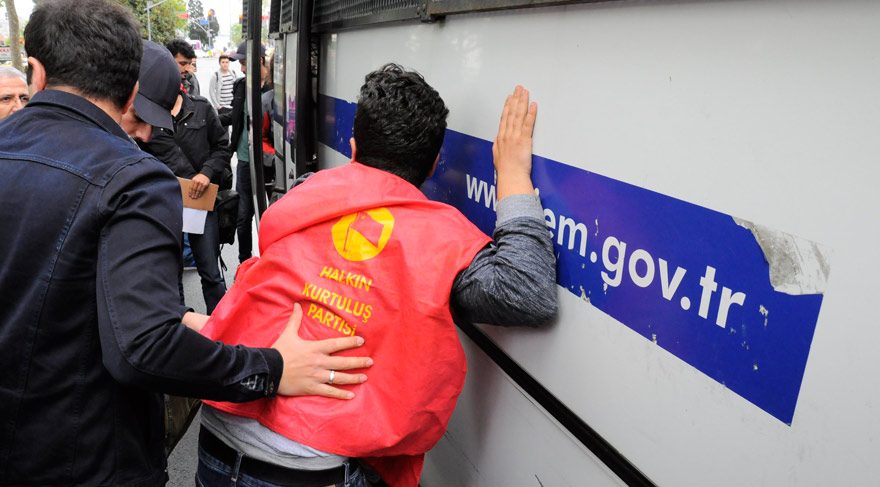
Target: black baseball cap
159, 86
242, 52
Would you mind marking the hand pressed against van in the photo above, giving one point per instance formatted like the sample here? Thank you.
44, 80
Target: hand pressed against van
512, 150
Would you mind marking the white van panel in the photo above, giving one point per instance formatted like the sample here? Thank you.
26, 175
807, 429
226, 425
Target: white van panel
764, 110
501, 436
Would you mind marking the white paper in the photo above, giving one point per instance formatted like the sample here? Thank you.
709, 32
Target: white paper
194, 220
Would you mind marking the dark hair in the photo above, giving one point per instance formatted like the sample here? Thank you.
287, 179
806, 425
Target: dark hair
180, 46
224, 56
93, 46
399, 123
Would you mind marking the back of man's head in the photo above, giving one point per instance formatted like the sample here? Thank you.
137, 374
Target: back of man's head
93, 46
180, 46
399, 123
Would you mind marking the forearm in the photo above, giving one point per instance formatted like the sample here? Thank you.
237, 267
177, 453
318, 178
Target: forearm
512, 183
164, 147
238, 101
220, 152
513, 281
194, 321
177, 360
139, 315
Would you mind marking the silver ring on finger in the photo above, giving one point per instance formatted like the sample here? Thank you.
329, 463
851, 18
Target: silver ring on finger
332, 376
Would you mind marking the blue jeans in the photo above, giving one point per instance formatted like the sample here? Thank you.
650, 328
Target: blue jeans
214, 473
188, 260
206, 251
245, 210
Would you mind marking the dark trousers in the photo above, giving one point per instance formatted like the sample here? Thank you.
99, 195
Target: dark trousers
206, 251
245, 210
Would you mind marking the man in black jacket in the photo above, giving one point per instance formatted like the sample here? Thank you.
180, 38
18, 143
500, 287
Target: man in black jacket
197, 150
90, 326
238, 118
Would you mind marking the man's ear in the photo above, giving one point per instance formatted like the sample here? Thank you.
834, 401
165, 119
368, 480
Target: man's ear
131, 97
353, 149
434, 167
37, 75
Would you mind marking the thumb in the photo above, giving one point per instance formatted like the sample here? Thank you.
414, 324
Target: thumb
291, 331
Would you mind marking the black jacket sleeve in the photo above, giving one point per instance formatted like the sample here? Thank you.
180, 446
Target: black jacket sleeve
142, 339
235, 117
218, 141
165, 148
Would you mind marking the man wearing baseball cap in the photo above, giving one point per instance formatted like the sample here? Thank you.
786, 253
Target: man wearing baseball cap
158, 86
90, 322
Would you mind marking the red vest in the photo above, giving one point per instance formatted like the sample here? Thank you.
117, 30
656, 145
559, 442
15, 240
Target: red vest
366, 253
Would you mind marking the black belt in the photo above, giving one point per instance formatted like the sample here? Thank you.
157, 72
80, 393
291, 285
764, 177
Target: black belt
268, 472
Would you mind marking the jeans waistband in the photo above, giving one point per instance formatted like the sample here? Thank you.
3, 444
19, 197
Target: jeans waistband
267, 472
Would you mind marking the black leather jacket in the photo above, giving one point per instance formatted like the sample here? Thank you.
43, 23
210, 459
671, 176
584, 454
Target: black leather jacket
200, 144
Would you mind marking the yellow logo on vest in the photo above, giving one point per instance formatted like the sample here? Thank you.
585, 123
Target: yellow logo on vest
362, 235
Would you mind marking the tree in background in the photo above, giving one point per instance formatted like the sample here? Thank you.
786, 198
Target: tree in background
165, 20
236, 29
197, 15
14, 33
235, 34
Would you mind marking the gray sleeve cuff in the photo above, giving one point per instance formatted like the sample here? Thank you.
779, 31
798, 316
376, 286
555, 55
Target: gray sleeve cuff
519, 205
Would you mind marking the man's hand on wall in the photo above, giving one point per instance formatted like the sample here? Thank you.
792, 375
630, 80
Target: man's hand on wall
512, 151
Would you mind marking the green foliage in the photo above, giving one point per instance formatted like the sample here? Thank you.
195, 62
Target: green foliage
165, 20
235, 34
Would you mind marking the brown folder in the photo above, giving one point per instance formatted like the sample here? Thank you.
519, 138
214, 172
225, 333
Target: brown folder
206, 202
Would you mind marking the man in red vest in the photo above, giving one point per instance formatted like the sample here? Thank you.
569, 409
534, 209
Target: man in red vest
365, 252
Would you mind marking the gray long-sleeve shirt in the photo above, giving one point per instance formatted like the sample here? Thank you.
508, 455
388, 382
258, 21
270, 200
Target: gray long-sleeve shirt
511, 281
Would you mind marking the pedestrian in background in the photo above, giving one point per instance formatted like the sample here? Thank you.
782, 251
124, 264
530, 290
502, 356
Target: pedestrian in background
198, 150
191, 81
239, 119
14, 93
185, 57
220, 91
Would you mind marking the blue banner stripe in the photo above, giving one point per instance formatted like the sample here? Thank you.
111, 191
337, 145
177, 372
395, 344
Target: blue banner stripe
690, 279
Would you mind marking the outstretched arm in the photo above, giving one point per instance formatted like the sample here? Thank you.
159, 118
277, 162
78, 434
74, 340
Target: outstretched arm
512, 150
513, 280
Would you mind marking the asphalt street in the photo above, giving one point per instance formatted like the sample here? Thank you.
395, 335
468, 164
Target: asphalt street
183, 460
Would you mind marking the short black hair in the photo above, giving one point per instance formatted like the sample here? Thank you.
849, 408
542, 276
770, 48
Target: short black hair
224, 56
180, 46
93, 46
399, 123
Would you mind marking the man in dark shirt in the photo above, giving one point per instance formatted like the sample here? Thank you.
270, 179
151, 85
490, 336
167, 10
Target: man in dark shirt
90, 325
238, 118
198, 149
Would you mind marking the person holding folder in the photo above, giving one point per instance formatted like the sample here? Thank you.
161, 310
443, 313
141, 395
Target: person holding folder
198, 151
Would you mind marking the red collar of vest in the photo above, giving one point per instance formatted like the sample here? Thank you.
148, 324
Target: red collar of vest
301, 209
